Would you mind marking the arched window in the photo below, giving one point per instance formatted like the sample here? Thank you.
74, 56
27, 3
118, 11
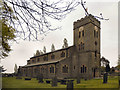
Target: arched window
96, 33
52, 69
45, 58
95, 53
65, 69
83, 69
83, 33
79, 34
81, 46
95, 42
62, 54
52, 56
38, 59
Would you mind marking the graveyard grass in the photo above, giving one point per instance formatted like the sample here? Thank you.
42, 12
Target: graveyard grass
12, 82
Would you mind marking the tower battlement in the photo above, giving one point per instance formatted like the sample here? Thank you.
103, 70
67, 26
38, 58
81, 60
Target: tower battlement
86, 20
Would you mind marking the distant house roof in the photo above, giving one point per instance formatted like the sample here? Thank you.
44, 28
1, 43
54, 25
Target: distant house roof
51, 52
44, 63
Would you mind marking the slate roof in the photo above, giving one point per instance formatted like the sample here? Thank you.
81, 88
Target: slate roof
44, 63
52, 52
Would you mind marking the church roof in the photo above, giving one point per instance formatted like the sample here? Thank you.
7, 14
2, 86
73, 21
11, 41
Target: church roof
44, 63
52, 52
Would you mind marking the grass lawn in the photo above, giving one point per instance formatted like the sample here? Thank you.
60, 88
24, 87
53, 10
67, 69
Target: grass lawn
12, 82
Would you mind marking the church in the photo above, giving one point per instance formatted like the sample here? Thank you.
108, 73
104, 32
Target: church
82, 59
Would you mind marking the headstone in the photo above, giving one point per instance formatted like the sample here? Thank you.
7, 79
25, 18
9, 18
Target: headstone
63, 82
54, 81
70, 85
85, 79
78, 80
27, 78
105, 78
47, 81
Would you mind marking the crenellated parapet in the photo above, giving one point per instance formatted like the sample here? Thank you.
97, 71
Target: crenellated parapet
86, 20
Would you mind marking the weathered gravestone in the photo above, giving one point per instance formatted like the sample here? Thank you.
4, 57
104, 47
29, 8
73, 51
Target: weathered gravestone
63, 82
105, 78
54, 81
70, 85
27, 78
40, 78
78, 80
85, 79
48, 81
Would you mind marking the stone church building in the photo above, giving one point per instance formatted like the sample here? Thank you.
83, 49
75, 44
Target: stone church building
80, 60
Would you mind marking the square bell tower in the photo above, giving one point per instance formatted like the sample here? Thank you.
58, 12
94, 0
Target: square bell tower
87, 43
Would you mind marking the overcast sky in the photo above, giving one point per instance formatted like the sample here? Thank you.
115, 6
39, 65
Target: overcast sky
109, 35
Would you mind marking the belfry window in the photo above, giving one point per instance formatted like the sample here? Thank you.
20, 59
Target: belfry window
95, 43
52, 69
65, 69
95, 53
96, 33
83, 33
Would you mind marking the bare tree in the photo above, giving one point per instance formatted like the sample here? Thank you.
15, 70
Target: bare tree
33, 16
104, 61
2, 69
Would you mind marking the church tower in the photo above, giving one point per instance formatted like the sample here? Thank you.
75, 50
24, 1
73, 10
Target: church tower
87, 45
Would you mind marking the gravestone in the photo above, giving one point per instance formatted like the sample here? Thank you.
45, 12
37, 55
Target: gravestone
85, 79
54, 81
47, 81
70, 85
78, 80
105, 78
40, 78
27, 78
63, 82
